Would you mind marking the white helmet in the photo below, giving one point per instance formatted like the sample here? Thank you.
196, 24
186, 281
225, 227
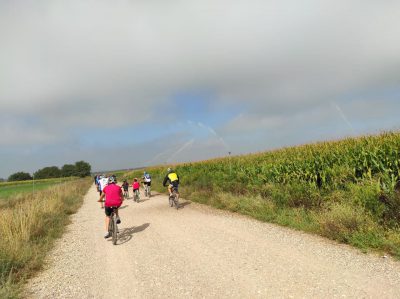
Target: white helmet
112, 179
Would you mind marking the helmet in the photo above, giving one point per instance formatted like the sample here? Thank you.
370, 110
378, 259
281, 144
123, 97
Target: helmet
112, 179
169, 170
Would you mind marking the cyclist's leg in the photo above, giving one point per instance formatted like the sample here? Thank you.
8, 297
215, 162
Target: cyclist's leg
108, 212
175, 185
102, 202
170, 189
117, 214
107, 222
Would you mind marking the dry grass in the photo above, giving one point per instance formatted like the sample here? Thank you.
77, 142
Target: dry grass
28, 229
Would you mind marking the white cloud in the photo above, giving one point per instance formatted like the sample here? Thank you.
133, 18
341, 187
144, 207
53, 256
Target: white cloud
75, 64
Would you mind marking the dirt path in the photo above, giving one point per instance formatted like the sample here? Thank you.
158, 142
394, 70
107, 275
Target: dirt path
200, 252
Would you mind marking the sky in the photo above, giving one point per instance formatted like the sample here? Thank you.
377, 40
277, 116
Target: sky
123, 84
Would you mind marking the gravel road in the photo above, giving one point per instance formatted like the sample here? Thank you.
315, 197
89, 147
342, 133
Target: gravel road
200, 252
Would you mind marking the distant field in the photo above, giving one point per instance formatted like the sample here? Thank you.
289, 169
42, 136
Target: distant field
10, 189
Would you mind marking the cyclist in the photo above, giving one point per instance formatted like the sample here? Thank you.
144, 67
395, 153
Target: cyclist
103, 182
114, 198
173, 180
146, 180
135, 186
125, 186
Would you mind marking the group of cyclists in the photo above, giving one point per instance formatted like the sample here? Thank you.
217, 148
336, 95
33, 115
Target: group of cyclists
112, 195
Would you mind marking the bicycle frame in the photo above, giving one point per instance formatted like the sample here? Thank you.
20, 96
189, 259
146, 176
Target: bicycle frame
147, 190
174, 198
136, 195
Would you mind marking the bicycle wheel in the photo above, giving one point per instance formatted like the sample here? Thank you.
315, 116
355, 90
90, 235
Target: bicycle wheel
111, 225
149, 191
176, 201
115, 230
171, 201
136, 196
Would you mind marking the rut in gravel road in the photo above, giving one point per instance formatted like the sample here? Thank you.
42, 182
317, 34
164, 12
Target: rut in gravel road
203, 253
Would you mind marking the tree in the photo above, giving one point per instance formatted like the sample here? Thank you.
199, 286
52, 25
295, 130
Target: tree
82, 169
68, 170
48, 172
20, 176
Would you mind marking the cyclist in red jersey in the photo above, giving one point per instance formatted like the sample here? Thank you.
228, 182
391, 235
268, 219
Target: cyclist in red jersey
114, 198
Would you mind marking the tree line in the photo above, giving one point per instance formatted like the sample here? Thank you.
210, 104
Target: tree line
79, 169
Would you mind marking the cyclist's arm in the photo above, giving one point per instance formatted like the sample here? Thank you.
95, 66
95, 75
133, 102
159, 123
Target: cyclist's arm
102, 197
165, 180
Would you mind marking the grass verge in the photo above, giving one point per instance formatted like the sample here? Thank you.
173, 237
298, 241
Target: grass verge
28, 229
340, 221
357, 215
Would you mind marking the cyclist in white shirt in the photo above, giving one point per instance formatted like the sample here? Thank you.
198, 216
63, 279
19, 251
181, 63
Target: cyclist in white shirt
146, 179
103, 182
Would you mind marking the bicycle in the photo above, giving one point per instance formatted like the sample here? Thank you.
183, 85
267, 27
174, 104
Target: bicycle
126, 193
147, 191
112, 225
174, 198
136, 195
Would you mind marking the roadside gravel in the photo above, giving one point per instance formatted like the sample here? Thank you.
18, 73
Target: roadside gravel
201, 252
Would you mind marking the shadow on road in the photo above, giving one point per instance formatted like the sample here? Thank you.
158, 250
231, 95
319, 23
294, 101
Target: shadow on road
183, 204
123, 207
144, 199
126, 234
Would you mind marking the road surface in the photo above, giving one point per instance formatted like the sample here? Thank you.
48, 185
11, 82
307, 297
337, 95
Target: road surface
200, 252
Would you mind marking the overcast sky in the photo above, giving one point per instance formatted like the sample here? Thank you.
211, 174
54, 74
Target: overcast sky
121, 84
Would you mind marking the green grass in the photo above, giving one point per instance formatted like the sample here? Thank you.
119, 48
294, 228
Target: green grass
13, 190
30, 182
12, 193
28, 228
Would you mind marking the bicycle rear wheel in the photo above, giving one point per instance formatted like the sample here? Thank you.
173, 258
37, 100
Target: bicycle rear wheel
115, 229
111, 226
137, 196
176, 201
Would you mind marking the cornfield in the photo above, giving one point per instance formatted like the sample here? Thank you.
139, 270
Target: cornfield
325, 165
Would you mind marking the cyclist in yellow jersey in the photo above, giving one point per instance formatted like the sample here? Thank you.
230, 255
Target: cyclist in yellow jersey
173, 180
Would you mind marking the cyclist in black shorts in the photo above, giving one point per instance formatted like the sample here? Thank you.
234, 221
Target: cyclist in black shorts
125, 187
173, 179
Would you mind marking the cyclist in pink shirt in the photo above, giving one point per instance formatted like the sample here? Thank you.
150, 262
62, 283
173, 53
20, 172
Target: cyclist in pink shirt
114, 198
135, 185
